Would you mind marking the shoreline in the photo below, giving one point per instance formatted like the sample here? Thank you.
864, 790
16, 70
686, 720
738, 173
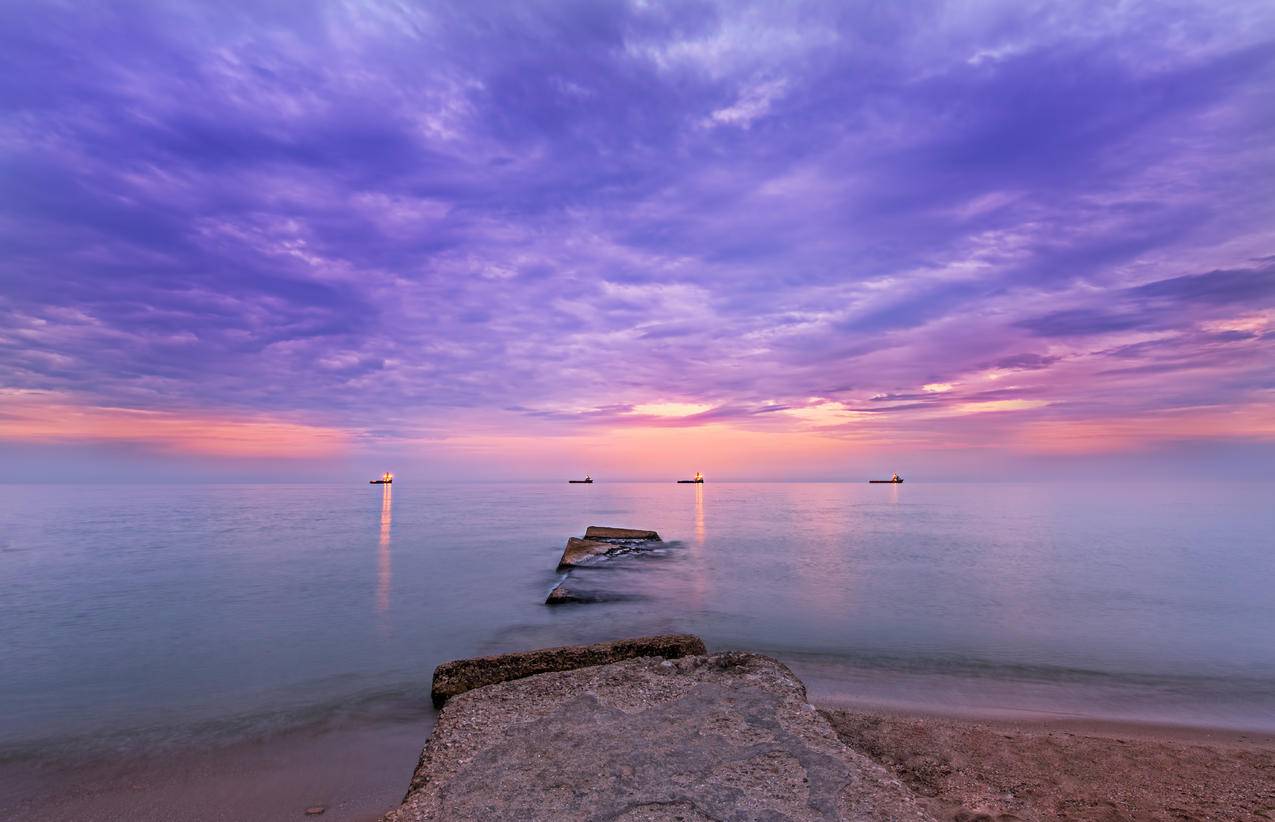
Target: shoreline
359, 769
1075, 769
1039, 721
1178, 706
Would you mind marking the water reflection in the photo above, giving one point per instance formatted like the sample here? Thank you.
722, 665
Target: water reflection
827, 570
698, 575
383, 550
1081, 598
699, 514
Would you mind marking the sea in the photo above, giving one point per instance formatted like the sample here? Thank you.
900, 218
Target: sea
137, 619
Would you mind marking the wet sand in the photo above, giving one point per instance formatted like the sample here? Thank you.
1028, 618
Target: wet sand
354, 773
964, 769
1068, 769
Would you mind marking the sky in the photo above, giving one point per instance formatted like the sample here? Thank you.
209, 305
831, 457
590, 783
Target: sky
771, 240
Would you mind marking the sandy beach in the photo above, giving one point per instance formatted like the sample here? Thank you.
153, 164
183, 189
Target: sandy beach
1068, 769
962, 769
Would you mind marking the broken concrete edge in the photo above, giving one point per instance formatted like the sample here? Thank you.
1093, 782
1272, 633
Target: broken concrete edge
562, 595
605, 532
461, 675
579, 549
602, 540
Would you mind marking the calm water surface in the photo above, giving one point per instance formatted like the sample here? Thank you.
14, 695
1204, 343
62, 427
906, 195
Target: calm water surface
135, 617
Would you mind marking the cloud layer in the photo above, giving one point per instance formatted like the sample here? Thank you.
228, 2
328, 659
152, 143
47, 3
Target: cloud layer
481, 219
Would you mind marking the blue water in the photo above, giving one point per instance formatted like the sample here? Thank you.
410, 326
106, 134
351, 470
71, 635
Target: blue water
138, 617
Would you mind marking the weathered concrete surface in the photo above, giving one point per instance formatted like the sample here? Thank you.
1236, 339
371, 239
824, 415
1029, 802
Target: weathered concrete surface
580, 549
605, 532
724, 737
461, 675
600, 540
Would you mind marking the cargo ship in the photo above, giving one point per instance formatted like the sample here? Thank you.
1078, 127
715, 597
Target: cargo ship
894, 480
386, 479
588, 480
699, 479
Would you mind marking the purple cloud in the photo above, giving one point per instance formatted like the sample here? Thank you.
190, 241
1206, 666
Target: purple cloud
562, 211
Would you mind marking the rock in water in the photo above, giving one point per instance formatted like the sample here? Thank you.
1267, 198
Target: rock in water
599, 540
562, 595
604, 532
579, 549
729, 736
461, 675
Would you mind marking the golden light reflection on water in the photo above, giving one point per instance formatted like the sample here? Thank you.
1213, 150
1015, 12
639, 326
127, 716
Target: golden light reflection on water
383, 550
699, 514
698, 576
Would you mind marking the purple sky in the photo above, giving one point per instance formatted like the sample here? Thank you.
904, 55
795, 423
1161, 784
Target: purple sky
522, 239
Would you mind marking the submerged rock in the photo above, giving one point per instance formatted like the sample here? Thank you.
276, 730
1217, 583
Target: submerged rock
461, 675
562, 595
729, 736
580, 549
603, 532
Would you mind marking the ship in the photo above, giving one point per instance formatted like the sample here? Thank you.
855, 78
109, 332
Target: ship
386, 479
588, 480
894, 480
699, 479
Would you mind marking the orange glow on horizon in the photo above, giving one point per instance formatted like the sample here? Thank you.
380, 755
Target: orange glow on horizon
1127, 434
36, 417
825, 438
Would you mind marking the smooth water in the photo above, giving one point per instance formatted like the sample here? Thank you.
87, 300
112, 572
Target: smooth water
137, 617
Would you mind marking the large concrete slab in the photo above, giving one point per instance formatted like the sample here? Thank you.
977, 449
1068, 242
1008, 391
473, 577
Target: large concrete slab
724, 737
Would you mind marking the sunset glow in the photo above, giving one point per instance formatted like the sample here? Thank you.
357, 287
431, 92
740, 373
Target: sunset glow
32, 418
